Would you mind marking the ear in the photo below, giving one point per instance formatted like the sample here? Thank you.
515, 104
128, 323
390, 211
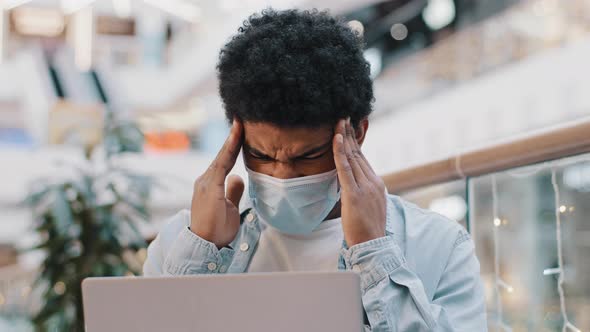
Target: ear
361, 130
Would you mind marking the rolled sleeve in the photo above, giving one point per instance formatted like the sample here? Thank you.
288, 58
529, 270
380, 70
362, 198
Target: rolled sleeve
374, 260
190, 254
178, 251
395, 299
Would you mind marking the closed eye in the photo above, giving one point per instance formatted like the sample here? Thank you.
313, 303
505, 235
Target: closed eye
313, 157
261, 157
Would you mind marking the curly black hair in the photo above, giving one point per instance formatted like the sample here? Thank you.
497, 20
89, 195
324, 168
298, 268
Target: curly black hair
295, 68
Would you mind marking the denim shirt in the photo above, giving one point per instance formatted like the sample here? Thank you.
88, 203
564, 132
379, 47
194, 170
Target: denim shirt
422, 276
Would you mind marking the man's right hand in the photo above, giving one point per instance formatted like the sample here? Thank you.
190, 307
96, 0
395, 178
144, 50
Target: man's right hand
214, 213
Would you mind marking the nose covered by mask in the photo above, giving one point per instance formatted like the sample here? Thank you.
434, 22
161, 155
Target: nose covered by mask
294, 206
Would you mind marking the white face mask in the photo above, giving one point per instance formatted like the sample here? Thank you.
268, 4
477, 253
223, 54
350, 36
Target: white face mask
294, 206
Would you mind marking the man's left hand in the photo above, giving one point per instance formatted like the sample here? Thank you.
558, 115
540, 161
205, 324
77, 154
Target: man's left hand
363, 200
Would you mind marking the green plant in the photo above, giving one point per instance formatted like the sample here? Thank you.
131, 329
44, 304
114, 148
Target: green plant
88, 225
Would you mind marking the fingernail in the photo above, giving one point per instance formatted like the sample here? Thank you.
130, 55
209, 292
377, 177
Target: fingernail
348, 120
339, 138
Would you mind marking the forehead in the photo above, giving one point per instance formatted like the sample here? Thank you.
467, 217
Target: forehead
267, 137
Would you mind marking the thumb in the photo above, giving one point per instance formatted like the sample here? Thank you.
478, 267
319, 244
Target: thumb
235, 189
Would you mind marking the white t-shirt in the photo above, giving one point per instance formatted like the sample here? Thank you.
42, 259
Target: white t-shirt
318, 251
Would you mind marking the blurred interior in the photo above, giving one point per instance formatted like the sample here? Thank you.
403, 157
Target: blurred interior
449, 76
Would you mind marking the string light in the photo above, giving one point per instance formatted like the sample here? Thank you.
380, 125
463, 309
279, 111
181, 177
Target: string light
499, 283
497, 222
567, 325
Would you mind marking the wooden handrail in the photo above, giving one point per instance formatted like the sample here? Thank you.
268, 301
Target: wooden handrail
553, 144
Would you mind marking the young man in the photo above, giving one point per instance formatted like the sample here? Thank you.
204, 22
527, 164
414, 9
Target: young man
297, 89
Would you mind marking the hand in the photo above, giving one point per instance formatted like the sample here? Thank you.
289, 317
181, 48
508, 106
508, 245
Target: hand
214, 213
363, 200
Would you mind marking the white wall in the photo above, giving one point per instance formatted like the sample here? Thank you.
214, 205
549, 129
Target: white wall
541, 91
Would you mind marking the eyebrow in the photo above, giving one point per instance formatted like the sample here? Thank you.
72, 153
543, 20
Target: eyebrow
303, 155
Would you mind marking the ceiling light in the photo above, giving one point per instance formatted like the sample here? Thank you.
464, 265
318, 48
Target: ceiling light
399, 31
439, 13
357, 26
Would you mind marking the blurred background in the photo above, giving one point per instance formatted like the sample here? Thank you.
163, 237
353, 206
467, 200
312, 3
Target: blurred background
109, 111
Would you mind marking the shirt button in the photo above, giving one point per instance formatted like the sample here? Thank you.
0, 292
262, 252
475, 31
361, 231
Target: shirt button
211, 266
356, 268
244, 246
222, 269
250, 217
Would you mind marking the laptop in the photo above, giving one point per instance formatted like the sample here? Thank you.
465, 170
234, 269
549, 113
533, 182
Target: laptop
286, 302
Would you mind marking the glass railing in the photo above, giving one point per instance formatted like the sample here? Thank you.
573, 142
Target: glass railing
531, 228
532, 234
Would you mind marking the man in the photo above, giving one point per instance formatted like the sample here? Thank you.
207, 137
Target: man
297, 89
